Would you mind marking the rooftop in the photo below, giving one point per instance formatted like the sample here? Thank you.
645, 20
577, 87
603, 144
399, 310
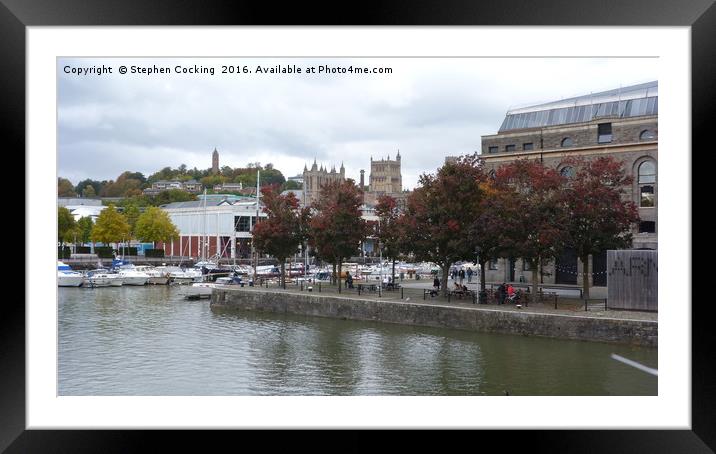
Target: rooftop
623, 102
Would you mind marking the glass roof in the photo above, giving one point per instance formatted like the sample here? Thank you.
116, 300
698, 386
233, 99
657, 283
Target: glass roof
623, 102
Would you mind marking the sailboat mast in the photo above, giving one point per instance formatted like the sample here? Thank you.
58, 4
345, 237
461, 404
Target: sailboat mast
258, 197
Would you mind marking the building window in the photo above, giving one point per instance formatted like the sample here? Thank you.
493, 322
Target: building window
509, 148
242, 223
647, 134
528, 146
646, 181
646, 198
567, 172
492, 150
567, 142
604, 133
647, 172
647, 227
526, 266
492, 264
491, 173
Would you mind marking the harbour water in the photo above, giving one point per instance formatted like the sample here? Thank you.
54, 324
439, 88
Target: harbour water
151, 341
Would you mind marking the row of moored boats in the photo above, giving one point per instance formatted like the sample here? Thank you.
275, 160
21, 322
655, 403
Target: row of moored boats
126, 274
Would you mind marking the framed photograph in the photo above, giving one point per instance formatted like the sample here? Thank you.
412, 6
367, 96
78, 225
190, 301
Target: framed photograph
190, 133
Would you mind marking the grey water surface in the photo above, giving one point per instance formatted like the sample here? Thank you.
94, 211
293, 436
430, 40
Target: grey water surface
151, 341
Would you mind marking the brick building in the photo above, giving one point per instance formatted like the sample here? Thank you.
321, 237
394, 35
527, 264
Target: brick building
622, 123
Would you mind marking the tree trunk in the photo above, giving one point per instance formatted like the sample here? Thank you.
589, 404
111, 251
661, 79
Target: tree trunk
283, 273
340, 266
393, 272
585, 276
444, 281
535, 272
482, 275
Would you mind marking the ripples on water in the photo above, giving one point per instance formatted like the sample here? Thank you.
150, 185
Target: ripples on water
151, 341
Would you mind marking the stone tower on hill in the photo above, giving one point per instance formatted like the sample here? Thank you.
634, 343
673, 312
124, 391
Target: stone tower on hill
215, 162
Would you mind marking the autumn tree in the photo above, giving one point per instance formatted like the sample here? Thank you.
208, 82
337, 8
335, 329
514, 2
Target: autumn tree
66, 226
532, 218
111, 226
441, 212
486, 231
337, 228
155, 225
65, 188
388, 229
285, 228
599, 213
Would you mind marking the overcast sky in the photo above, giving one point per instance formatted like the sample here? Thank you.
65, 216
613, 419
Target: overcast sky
427, 108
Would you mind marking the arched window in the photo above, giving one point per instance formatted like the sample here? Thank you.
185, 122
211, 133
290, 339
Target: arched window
647, 134
647, 172
647, 183
567, 142
567, 172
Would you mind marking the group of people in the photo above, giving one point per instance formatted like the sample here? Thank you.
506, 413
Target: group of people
506, 292
456, 274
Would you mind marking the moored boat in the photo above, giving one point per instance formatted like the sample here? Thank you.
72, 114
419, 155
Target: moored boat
66, 277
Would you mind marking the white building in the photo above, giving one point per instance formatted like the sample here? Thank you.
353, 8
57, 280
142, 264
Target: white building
219, 228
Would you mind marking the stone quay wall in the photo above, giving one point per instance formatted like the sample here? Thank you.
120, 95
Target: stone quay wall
526, 323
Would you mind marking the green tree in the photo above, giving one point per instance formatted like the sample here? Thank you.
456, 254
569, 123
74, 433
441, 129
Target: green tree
111, 227
84, 227
290, 184
89, 191
65, 188
66, 226
155, 225
131, 213
82, 186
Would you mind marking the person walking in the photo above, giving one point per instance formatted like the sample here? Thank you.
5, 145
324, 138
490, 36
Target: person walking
349, 280
469, 275
461, 274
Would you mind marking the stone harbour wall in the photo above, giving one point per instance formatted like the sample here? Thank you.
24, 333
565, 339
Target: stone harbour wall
526, 323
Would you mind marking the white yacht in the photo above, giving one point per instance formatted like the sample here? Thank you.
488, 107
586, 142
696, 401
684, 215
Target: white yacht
130, 276
68, 278
182, 275
96, 278
156, 276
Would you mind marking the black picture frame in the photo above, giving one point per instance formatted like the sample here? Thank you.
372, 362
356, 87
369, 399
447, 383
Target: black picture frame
16, 15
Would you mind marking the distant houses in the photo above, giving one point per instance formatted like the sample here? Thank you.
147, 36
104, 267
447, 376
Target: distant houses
192, 186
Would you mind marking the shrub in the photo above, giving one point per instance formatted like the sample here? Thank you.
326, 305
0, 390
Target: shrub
64, 252
128, 250
154, 252
83, 250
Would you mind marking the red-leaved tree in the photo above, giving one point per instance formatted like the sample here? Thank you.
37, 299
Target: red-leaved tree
284, 229
440, 213
337, 229
392, 240
531, 212
600, 214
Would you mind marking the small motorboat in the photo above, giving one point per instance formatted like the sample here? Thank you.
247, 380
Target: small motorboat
66, 277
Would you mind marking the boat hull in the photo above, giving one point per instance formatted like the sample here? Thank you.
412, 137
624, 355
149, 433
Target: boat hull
69, 280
